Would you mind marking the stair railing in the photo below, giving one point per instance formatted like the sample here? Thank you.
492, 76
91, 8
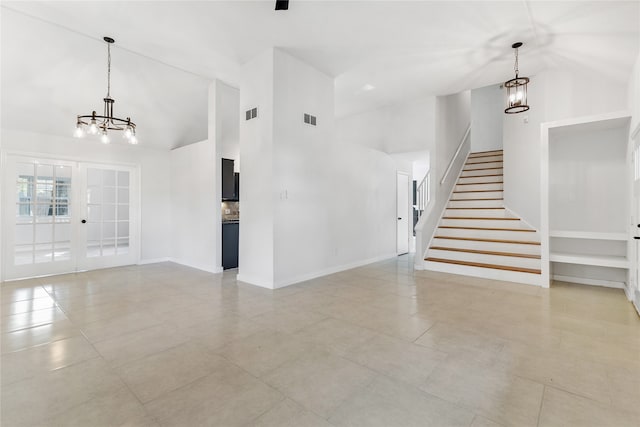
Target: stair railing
423, 194
453, 159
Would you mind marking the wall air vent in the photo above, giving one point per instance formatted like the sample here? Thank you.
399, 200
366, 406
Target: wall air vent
251, 114
309, 119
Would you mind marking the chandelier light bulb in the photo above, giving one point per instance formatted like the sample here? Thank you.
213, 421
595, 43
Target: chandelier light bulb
133, 140
79, 133
127, 132
93, 127
104, 138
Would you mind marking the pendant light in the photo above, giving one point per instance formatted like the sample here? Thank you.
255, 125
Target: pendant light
95, 124
516, 89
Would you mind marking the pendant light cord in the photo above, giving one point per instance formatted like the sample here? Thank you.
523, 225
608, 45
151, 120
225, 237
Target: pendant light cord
515, 67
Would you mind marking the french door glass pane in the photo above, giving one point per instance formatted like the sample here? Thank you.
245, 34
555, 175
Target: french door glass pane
107, 212
43, 194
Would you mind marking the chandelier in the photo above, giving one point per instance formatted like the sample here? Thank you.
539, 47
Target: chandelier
95, 124
516, 89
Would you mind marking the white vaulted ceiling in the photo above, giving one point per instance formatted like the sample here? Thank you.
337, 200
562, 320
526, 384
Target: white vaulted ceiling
53, 57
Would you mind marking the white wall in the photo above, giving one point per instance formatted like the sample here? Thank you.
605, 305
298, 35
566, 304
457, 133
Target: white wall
317, 204
405, 127
453, 115
633, 94
154, 180
553, 95
487, 105
588, 186
194, 228
229, 110
257, 191
334, 203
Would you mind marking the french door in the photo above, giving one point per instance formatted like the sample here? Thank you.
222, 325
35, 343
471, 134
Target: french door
62, 216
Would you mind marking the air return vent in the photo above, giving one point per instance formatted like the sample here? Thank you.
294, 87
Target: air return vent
309, 119
251, 114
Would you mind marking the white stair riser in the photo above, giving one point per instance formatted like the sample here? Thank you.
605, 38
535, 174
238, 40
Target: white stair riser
479, 179
476, 195
475, 203
473, 173
485, 259
496, 158
488, 234
488, 246
483, 165
479, 187
487, 273
493, 213
492, 223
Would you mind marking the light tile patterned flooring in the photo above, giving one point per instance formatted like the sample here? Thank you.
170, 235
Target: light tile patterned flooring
380, 345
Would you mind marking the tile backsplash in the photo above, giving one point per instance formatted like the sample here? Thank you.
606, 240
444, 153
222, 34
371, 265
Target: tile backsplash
230, 211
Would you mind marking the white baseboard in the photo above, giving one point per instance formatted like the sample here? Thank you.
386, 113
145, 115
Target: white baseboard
153, 260
590, 282
331, 270
255, 281
308, 276
206, 268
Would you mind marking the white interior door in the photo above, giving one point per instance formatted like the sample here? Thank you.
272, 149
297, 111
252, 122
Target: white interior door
635, 272
39, 206
44, 205
402, 210
108, 226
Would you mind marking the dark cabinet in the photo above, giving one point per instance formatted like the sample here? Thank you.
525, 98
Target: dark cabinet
228, 180
230, 235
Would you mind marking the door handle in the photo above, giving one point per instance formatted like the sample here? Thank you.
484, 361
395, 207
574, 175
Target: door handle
399, 218
636, 237
84, 221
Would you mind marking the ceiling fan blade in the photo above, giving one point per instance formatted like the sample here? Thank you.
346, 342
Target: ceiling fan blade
282, 4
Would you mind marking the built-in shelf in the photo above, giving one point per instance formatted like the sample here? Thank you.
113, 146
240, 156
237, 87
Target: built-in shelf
597, 260
588, 235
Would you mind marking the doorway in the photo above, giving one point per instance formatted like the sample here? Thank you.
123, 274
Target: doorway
63, 216
402, 211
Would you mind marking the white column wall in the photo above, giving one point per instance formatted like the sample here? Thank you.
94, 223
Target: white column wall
194, 228
257, 191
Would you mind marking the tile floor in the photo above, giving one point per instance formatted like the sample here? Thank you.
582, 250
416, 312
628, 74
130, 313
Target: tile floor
380, 345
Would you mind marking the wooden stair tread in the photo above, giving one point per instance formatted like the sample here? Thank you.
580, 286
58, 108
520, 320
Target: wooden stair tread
477, 191
488, 228
478, 251
481, 217
480, 163
485, 152
479, 176
482, 265
472, 200
475, 239
479, 169
485, 155
480, 183
478, 208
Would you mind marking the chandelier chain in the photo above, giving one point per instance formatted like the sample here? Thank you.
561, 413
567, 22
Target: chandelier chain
515, 67
108, 70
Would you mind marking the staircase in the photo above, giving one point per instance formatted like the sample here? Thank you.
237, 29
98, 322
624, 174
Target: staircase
477, 235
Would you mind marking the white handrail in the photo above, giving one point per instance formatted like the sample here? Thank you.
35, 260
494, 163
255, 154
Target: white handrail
464, 138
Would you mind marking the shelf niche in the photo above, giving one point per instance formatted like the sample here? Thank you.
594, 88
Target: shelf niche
588, 199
